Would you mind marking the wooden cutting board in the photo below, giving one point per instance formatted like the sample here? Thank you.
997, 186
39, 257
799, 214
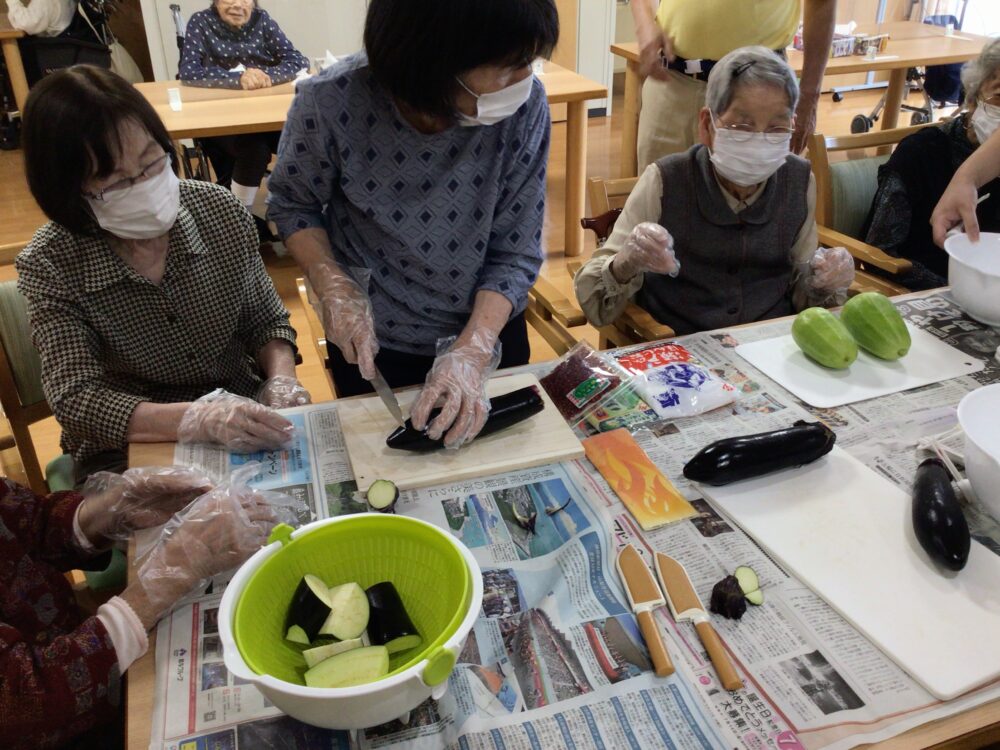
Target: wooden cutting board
846, 533
929, 360
541, 439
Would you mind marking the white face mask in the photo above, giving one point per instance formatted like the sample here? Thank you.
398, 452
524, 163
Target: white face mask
748, 162
985, 121
495, 106
146, 210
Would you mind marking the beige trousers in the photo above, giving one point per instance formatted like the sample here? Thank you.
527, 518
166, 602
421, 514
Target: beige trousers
668, 120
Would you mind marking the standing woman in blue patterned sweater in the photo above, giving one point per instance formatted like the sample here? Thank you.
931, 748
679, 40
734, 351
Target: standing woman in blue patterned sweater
236, 45
422, 162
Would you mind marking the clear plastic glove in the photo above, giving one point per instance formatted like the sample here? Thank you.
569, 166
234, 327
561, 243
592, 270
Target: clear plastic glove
240, 424
831, 269
216, 533
347, 317
282, 391
649, 247
457, 382
115, 505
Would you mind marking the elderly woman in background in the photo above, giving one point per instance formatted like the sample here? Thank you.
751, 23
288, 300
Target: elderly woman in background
725, 232
422, 161
917, 173
235, 45
60, 670
144, 292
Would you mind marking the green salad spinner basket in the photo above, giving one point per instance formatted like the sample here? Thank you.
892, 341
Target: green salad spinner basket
438, 580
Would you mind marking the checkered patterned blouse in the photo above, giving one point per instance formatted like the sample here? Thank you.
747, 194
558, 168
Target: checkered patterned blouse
110, 339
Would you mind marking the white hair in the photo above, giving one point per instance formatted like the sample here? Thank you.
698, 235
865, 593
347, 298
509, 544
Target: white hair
978, 71
749, 66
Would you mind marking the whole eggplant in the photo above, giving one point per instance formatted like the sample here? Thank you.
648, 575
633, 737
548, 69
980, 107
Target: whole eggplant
938, 520
505, 410
733, 459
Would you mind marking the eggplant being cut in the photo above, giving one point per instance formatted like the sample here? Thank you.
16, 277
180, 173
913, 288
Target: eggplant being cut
938, 520
734, 459
505, 411
388, 624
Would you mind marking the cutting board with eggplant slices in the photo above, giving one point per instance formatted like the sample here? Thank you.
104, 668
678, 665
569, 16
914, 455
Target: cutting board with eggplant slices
532, 434
849, 535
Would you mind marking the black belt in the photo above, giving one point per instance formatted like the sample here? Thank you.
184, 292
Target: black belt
699, 69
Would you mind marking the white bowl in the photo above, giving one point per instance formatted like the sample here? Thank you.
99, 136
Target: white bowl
356, 707
974, 275
977, 414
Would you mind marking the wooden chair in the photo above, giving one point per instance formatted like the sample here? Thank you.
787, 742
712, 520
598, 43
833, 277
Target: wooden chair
845, 190
316, 333
21, 394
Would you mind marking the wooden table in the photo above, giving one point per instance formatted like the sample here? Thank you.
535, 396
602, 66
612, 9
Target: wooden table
208, 112
975, 728
12, 56
911, 44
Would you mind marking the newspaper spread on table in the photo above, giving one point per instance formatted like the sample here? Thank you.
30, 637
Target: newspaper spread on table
556, 659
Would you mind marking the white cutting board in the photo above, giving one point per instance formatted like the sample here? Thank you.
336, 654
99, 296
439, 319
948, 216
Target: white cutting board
846, 532
928, 361
541, 439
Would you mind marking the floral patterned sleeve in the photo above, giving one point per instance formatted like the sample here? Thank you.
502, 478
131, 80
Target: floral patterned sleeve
59, 674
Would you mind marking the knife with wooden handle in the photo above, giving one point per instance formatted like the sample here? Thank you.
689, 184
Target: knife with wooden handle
644, 595
685, 605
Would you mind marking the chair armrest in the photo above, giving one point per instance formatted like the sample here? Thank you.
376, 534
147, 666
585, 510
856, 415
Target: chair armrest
564, 311
862, 251
645, 324
864, 282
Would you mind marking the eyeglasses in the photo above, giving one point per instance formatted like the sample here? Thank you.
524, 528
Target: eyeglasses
150, 170
742, 132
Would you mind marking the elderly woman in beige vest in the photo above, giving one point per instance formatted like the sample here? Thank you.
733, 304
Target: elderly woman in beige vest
724, 233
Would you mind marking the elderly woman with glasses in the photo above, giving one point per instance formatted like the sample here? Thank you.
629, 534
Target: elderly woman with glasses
725, 232
916, 175
145, 292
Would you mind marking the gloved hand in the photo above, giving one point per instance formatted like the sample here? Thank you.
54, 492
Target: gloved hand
282, 391
115, 505
218, 532
956, 208
457, 379
347, 317
649, 247
831, 269
238, 423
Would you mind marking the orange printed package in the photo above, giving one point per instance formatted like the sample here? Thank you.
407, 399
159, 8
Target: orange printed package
649, 496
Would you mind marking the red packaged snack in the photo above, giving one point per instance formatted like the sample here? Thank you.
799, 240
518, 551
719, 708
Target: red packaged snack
580, 378
656, 355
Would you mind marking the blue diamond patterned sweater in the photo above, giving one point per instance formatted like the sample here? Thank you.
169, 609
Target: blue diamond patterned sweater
435, 218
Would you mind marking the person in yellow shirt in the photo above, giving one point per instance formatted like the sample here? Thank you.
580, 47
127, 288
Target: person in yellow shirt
680, 40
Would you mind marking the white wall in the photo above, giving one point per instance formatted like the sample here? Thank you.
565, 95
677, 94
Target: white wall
595, 32
983, 17
313, 26
624, 30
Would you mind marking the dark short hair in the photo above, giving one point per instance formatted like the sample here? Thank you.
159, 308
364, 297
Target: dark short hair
72, 133
416, 48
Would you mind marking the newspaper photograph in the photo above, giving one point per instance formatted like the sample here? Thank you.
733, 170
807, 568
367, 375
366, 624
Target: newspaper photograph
556, 658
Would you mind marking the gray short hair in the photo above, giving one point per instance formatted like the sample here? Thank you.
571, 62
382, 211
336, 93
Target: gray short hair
749, 66
978, 71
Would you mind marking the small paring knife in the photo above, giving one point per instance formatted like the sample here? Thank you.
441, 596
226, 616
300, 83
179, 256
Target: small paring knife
388, 397
686, 606
644, 596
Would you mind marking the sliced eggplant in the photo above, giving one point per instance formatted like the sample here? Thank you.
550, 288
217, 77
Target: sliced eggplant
938, 520
348, 612
310, 606
750, 583
314, 656
734, 459
354, 667
389, 624
382, 495
755, 597
295, 634
505, 411
728, 598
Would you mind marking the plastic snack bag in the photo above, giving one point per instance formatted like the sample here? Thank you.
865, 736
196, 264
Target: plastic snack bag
580, 379
683, 389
